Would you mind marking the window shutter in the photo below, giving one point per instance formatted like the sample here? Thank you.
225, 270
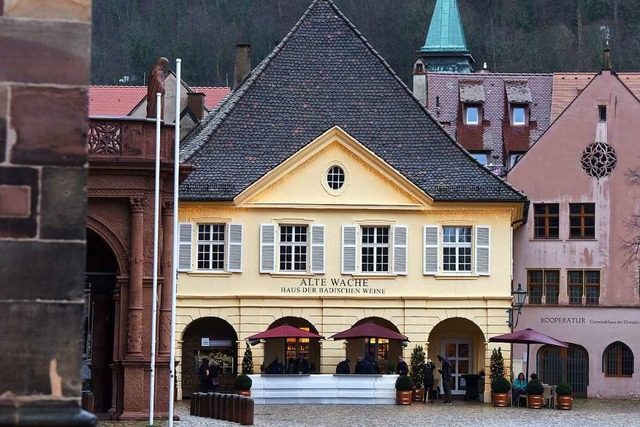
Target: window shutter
349, 249
234, 257
430, 256
185, 231
400, 249
317, 249
482, 250
267, 248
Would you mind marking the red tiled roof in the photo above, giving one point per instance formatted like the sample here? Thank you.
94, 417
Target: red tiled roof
114, 100
121, 100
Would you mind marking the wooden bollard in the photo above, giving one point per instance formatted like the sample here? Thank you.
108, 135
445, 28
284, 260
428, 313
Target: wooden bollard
192, 404
206, 405
224, 407
196, 397
214, 405
247, 412
237, 413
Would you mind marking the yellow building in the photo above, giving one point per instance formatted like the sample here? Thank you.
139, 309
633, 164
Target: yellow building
324, 196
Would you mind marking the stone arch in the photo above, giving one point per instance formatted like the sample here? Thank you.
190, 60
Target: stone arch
289, 348
114, 242
385, 352
570, 365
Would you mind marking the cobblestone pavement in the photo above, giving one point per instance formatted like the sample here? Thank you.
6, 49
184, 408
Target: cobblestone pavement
585, 413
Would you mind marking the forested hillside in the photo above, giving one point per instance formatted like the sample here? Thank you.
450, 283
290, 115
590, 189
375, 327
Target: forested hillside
509, 35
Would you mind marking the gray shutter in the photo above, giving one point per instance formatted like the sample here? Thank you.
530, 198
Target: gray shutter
400, 238
349, 249
234, 251
185, 231
483, 240
317, 249
267, 248
430, 255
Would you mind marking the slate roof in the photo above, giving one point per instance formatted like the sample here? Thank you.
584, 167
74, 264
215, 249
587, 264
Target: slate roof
322, 74
444, 103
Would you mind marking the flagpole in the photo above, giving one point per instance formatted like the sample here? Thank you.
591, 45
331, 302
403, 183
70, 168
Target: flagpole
174, 287
154, 304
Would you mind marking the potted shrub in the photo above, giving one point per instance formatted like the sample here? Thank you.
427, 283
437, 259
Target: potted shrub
247, 361
535, 390
564, 396
500, 386
404, 386
242, 384
416, 371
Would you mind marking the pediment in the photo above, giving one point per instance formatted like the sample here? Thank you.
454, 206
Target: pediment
302, 180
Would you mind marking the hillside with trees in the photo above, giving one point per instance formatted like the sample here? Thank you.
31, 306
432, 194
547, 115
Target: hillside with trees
509, 35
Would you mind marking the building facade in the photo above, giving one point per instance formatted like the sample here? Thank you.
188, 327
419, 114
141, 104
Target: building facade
323, 196
576, 256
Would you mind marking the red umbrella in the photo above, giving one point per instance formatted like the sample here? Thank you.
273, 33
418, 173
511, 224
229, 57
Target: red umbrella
284, 331
528, 336
369, 330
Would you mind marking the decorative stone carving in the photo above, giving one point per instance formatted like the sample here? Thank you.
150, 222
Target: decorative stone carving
104, 138
137, 204
598, 160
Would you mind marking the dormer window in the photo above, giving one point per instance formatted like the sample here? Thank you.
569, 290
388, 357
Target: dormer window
472, 115
482, 157
519, 115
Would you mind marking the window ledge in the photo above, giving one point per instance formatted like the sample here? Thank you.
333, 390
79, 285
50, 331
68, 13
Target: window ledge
295, 274
375, 276
456, 276
203, 273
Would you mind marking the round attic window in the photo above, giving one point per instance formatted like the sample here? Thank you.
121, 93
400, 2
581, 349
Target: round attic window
598, 160
335, 177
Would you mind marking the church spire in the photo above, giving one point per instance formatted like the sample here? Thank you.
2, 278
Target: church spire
445, 48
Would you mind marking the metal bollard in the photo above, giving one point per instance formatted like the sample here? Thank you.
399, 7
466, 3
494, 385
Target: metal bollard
247, 412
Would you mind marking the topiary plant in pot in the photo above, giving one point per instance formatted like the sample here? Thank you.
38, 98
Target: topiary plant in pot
500, 386
564, 396
535, 390
416, 371
404, 387
243, 384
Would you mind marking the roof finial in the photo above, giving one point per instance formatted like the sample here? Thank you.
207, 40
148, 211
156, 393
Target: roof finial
606, 59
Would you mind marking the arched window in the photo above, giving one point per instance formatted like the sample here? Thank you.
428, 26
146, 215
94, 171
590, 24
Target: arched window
617, 360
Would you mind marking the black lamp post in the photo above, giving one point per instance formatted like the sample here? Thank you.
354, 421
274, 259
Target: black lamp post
519, 296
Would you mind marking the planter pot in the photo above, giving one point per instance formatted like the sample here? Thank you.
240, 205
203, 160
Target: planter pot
500, 399
564, 402
417, 394
535, 401
245, 393
403, 397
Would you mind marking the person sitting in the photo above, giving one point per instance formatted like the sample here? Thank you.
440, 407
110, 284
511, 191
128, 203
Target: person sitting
403, 369
275, 367
343, 367
300, 366
360, 368
519, 388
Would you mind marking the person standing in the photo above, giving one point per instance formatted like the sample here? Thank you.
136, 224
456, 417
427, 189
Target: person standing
275, 367
360, 368
214, 371
428, 381
445, 371
343, 367
300, 366
403, 368
204, 375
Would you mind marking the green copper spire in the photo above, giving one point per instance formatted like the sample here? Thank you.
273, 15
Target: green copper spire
445, 40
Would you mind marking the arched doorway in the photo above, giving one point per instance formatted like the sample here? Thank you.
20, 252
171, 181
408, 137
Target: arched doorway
463, 342
99, 320
556, 365
384, 351
288, 349
213, 338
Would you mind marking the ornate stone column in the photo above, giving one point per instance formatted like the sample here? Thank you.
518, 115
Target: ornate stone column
134, 318
164, 340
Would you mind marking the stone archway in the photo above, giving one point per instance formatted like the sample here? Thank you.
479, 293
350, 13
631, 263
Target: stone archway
289, 348
385, 352
209, 337
463, 342
99, 322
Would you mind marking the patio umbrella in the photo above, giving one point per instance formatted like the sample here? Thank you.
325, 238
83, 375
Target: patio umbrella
369, 330
284, 331
528, 336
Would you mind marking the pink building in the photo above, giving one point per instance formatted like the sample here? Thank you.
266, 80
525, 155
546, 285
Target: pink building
582, 279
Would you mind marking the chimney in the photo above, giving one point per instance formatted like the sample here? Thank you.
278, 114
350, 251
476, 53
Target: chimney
606, 65
420, 81
195, 103
243, 64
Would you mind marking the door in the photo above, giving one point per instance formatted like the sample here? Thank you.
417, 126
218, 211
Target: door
459, 354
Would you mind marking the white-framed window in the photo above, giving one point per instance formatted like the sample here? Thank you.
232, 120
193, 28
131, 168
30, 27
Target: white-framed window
374, 249
519, 115
456, 249
481, 157
218, 247
513, 158
298, 248
472, 114
335, 177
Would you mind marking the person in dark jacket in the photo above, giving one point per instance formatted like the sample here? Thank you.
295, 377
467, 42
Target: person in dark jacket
403, 368
343, 367
275, 367
204, 376
214, 371
360, 368
445, 371
300, 366
428, 381
371, 364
